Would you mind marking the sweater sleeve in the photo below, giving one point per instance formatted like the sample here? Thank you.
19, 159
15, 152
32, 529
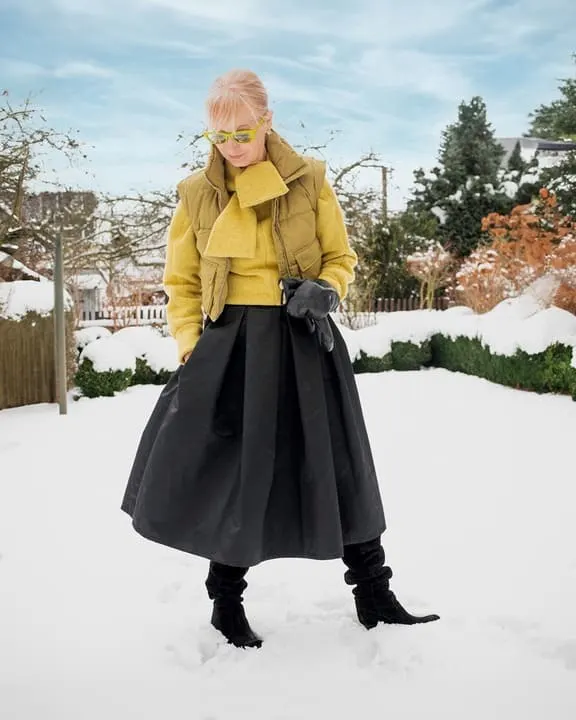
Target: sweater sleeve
182, 283
338, 258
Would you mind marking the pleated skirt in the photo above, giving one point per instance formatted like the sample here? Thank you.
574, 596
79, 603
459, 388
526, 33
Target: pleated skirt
257, 447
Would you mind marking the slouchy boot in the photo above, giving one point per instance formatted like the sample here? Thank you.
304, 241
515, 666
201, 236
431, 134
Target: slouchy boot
225, 585
375, 602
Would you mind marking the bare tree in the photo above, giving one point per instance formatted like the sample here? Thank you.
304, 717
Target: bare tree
25, 138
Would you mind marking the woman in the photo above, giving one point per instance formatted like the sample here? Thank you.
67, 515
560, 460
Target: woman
257, 448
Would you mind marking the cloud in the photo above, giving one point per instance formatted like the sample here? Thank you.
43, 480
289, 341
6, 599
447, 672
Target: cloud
82, 69
412, 71
388, 76
20, 69
73, 69
324, 56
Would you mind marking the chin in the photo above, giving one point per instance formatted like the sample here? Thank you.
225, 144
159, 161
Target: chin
239, 162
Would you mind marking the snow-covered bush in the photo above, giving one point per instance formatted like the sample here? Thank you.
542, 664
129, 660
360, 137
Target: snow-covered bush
157, 364
156, 356
87, 335
105, 367
548, 371
535, 240
402, 356
521, 343
139, 338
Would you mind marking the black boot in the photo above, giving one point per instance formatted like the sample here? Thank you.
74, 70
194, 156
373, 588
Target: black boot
225, 585
375, 602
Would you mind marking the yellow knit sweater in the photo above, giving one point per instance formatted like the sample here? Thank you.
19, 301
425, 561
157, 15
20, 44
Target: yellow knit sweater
254, 277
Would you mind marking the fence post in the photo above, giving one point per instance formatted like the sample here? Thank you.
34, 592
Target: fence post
60, 327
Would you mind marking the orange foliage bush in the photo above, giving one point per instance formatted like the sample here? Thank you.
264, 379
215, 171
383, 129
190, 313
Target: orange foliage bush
534, 240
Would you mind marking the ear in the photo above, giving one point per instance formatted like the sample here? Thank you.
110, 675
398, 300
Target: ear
268, 122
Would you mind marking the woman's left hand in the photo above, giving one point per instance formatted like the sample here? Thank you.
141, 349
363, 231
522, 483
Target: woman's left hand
312, 300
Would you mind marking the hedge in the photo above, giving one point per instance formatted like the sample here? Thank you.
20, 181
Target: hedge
144, 374
549, 371
101, 384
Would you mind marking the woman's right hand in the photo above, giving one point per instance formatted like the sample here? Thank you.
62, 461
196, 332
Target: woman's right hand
185, 358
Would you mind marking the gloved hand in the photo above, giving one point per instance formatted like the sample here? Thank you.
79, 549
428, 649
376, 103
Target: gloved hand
312, 300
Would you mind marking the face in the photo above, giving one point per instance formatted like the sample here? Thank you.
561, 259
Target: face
244, 154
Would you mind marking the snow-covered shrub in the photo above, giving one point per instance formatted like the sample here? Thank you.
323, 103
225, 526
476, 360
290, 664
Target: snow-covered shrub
158, 363
535, 240
521, 343
547, 371
156, 356
105, 367
402, 356
87, 335
138, 337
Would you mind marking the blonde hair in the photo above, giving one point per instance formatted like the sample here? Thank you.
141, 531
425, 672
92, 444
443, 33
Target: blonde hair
233, 89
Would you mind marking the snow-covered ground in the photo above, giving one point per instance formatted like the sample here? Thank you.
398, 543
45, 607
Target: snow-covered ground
478, 482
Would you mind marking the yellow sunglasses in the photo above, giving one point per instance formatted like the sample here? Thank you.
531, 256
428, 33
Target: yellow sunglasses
218, 137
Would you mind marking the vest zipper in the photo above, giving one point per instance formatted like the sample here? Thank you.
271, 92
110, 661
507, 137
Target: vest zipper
276, 229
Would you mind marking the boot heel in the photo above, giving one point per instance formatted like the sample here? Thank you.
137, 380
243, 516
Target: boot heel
368, 617
230, 619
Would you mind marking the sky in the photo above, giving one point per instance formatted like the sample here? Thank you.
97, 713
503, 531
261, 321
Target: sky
131, 75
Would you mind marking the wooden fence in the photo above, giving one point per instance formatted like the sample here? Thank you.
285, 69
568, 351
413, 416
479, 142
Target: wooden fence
141, 315
152, 314
27, 360
397, 305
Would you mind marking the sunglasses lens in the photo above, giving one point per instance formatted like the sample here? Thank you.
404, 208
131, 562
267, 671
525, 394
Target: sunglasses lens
242, 137
216, 137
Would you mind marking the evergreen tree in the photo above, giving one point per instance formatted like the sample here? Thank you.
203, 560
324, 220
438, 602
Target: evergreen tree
466, 185
557, 121
516, 162
561, 180
384, 251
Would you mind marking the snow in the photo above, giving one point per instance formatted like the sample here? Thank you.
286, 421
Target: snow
90, 281
163, 355
523, 323
100, 623
510, 188
160, 353
440, 214
23, 296
118, 351
108, 355
9, 261
139, 338
87, 335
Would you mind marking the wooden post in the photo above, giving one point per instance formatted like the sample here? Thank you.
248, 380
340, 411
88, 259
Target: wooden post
384, 193
60, 328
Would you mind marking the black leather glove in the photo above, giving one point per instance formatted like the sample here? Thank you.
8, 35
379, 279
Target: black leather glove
312, 300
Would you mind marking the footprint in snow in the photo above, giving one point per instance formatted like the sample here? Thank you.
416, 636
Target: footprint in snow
532, 634
566, 653
170, 592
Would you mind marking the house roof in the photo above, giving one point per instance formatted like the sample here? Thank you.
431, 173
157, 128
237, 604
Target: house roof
89, 281
530, 147
18, 268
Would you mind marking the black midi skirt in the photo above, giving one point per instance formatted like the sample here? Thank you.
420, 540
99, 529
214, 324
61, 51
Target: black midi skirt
257, 447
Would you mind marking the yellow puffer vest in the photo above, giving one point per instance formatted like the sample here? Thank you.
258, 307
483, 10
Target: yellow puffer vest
298, 250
